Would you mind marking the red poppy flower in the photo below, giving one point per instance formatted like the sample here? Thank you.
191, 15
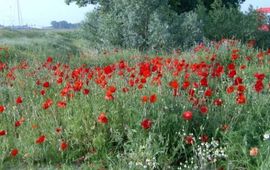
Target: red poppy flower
238, 80
187, 115
59, 80
122, 64
234, 56
10, 75
2, 66
144, 99
242, 67
230, 89
61, 104
259, 76
204, 82
191, 92
19, 100
248, 58
102, 118
120, 73
112, 89
46, 84
145, 70
241, 99
58, 130
241, 88
189, 140
125, 89
204, 138
204, 109
131, 82
109, 96
40, 139
218, 102
259, 86
3, 132
140, 86
174, 84
231, 73
49, 59
108, 70
78, 85
14, 152
146, 124
143, 80
231, 66
18, 123
153, 98
86, 91
2, 109
42, 92
63, 146
208, 92
47, 104
195, 85
38, 82
185, 84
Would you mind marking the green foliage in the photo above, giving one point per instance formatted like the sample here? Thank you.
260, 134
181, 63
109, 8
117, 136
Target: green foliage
262, 39
63, 25
122, 143
165, 25
179, 6
83, 2
229, 23
142, 25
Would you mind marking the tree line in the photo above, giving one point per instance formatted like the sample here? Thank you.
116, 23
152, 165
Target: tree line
165, 24
64, 25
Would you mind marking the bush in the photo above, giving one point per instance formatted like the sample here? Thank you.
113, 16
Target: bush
142, 25
145, 25
230, 23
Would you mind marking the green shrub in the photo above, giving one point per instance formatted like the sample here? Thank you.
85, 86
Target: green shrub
142, 25
230, 23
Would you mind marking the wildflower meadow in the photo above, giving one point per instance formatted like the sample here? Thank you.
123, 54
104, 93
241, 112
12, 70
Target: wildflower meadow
204, 108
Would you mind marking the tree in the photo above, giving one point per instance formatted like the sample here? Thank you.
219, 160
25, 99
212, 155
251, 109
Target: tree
181, 6
221, 22
82, 2
141, 24
63, 25
145, 24
178, 6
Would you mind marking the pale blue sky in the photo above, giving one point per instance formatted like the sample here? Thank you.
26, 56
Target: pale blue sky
42, 12
255, 3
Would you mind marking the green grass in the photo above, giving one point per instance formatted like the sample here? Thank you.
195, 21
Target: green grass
122, 142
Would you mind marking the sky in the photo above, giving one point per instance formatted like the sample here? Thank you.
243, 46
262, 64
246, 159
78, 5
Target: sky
40, 13
255, 3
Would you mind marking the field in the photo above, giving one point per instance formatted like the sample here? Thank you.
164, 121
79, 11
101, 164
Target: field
65, 106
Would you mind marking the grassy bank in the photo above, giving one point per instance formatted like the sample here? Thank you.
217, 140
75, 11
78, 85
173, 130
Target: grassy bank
206, 108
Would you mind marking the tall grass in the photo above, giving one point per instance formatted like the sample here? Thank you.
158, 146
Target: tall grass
133, 116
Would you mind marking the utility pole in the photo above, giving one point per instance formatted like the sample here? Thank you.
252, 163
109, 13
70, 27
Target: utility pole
19, 13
